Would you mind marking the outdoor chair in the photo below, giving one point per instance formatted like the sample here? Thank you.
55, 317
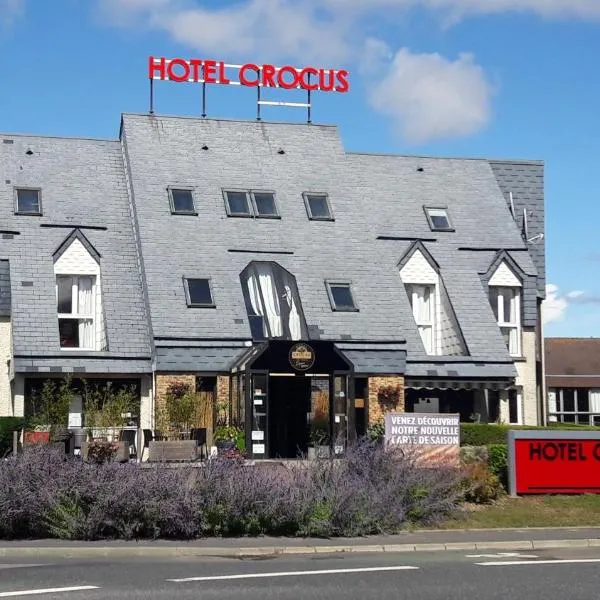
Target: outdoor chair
199, 436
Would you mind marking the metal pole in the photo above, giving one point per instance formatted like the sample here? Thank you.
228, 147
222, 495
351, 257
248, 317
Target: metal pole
203, 94
258, 102
151, 96
309, 106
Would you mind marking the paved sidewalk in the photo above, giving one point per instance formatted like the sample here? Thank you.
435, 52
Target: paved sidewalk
420, 541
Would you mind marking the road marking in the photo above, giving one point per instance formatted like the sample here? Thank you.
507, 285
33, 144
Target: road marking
507, 563
502, 554
79, 588
22, 566
292, 574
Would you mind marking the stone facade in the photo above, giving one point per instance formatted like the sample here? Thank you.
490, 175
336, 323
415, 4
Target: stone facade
527, 378
376, 408
162, 383
5, 356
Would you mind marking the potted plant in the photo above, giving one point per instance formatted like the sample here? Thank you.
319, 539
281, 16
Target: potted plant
388, 396
229, 438
49, 411
319, 440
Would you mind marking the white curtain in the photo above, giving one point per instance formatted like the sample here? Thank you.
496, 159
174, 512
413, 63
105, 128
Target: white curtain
423, 313
271, 302
295, 327
85, 306
595, 401
254, 294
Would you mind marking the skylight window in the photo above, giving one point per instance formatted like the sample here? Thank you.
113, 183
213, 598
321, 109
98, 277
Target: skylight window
28, 201
264, 204
340, 296
251, 204
182, 201
438, 219
198, 293
317, 207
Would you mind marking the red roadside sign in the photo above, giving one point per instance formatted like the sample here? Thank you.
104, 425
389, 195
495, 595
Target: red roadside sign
554, 462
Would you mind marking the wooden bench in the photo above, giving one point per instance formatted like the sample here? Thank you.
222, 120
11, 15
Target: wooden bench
175, 451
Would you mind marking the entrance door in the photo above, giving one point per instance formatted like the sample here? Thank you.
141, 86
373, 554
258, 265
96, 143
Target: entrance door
289, 404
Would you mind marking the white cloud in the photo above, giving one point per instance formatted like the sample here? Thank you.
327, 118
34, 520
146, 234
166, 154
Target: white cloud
554, 306
546, 8
429, 96
10, 10
575, 294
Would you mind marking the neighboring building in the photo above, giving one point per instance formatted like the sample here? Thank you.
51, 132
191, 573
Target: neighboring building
302, 287
573, 380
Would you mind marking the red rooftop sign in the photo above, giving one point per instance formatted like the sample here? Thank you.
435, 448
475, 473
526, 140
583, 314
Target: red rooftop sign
195, 70
554, 462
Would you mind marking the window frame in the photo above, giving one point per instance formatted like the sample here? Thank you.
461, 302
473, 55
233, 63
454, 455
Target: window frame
19, 188
502, 322
430, 221
329, 283
250, 203
171, 189
188, 297
432, 324
76, 316
311, 217
256, 215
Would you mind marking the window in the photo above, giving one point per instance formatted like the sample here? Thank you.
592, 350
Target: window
28, 201
182, 201
272, 302
340, 296
438, 219
317, 207
422, 302
264, 204
76, 301
574, 405
251, 204
506, 304
198, 293
514, 407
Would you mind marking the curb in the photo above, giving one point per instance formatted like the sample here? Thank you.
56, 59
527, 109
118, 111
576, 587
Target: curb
224, 552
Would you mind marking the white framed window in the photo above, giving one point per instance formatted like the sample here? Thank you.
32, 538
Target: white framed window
422, 302
506, 304
76, 307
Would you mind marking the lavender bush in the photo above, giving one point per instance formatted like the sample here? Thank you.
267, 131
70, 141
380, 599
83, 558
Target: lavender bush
45, 494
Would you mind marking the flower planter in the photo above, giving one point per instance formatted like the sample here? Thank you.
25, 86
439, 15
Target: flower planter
225, 446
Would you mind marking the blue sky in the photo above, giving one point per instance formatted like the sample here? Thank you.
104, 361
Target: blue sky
494, 78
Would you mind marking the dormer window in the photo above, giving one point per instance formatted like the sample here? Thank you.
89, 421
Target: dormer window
506, 304
438, 219
76, 306
182, 201
422, 303
28, 201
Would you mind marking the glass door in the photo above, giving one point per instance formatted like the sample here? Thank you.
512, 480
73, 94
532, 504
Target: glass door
340, 412
260, 426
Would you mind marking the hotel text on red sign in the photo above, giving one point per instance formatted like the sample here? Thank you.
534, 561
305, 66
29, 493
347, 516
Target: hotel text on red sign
195, 70
555, 462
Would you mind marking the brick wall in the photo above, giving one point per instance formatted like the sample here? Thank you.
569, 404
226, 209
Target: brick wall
162, 385
376, 410
5, 355
223, 399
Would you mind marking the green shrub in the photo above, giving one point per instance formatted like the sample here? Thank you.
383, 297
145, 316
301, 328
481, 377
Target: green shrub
479, 484
7, 426
482, 434
469, 454
376, 431
498, 462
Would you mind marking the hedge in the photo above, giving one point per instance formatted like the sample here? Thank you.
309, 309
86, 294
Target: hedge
7, 426
473, 434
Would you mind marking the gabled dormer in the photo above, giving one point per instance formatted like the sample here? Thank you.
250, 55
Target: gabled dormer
433, 313
78, 295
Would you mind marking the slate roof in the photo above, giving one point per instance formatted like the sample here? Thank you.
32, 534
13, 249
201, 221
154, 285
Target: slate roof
373, 197
83, 184
572, 362
4, 288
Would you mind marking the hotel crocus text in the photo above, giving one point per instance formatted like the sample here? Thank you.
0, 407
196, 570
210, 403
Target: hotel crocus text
250, 75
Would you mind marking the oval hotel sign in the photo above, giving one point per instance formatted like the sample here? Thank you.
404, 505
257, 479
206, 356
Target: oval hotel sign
302, 357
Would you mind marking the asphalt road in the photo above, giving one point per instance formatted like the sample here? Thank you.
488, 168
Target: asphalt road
570, 574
